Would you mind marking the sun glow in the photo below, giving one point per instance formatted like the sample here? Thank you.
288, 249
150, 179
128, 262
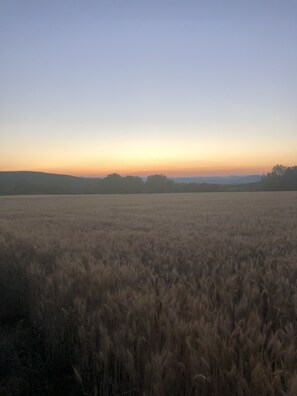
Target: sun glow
171, 152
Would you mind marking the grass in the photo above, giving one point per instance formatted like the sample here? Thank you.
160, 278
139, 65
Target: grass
171, 294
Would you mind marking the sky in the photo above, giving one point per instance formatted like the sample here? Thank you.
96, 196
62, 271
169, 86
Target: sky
140, 87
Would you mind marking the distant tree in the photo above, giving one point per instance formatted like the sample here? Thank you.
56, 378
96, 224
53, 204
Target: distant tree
133, 184
280, 178
279, 170
116, 184
112, 184
159, 183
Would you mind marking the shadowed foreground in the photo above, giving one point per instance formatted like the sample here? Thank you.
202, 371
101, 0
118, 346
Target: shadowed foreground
172, 294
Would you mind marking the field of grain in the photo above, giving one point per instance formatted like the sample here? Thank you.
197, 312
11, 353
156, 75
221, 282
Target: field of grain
162, 294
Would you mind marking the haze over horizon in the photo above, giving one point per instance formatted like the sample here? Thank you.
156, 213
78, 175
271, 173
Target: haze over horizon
182, 88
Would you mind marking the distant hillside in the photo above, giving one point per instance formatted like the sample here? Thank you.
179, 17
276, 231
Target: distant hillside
18, 183
219, 179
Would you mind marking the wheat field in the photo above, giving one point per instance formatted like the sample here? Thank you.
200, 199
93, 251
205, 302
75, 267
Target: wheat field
161, 294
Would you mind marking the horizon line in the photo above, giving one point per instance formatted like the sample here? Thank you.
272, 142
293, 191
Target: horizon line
139, 175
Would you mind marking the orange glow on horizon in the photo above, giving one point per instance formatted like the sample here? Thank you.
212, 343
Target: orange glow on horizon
172, 170
209, 151
148, 159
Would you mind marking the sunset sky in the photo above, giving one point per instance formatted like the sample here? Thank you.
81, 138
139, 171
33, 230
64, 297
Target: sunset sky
141, 87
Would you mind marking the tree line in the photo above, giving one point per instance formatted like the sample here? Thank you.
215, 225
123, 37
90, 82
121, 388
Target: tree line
281, 178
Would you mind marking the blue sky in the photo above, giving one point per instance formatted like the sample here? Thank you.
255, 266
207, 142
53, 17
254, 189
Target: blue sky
178, 87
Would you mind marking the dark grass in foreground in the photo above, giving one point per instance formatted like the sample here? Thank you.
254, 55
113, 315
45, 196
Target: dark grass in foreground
182, 294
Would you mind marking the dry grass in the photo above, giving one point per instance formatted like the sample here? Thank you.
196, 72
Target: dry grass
173, 294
